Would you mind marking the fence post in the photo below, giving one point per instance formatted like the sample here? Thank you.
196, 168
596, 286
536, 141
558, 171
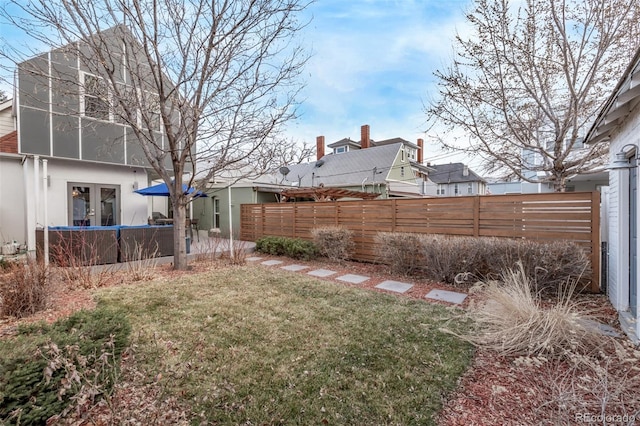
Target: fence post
595, 241
394, 206
476, 216
262, 219
336, 213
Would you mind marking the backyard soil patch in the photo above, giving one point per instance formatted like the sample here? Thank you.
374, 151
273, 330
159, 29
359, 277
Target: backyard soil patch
494, 390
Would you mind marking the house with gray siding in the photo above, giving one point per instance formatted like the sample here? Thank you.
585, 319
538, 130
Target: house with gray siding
453, 180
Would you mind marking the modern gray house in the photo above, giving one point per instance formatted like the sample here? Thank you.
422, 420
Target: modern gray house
72, 161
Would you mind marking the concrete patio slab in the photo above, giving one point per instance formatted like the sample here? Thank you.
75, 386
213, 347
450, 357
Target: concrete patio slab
272, 262
321, 272
397, 286
253, 259
294, 268
446, 296
353, 278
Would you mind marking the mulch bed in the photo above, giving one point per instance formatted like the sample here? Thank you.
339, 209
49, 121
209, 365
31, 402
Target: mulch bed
494, 390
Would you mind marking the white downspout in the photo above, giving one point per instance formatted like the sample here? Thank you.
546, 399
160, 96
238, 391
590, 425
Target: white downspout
36, 188
45, 206
30, 228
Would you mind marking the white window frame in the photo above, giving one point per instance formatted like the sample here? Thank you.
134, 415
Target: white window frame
340, 150
84, 95
470, 188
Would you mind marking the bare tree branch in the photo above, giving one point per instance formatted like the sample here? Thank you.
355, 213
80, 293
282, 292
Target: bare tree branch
529, 82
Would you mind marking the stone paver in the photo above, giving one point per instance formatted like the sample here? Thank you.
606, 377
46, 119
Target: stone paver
397, 286
604, 329
353, 278
446, 296
272, 262
321, 272
294, 268
253, 259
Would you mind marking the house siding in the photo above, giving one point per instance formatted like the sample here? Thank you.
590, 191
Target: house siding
628, 133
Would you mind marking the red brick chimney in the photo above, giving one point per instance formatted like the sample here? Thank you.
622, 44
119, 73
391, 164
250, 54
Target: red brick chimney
9, 142
365, 139
420, 149
320, 147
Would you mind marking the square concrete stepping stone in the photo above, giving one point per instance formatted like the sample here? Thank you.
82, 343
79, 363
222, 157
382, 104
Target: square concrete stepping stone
604, 329
321, 272
272, 262
353, 278
397, 286
253, 259
446, 296
294, 268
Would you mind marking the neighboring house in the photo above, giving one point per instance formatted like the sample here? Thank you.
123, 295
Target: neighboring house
619, 123
67, 161
391, 168
576, 183
454, 179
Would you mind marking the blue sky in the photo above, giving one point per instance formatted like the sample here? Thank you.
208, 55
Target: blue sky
372, 63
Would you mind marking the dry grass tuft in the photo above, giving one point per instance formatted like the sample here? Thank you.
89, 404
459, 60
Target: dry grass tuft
513, 320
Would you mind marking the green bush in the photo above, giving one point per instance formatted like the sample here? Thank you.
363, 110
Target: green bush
334, 242
34, 383
295, 248
458, 260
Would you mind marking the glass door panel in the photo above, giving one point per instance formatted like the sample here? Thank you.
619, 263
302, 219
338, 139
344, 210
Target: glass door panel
108, 206
83, 213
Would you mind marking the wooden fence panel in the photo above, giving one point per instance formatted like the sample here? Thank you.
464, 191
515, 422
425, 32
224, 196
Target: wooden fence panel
572, 216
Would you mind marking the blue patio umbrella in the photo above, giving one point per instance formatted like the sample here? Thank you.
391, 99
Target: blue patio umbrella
162, 190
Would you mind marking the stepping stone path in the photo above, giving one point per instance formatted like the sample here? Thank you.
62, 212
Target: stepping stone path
352, 278
396, 286
321, 272
294, 268
446, 296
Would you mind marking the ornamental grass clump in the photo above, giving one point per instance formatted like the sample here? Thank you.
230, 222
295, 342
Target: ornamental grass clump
514, 320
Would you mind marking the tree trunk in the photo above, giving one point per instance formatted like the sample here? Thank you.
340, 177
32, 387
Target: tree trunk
179, 236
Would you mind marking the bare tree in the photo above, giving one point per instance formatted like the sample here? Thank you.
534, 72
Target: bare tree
197, 82
528, 83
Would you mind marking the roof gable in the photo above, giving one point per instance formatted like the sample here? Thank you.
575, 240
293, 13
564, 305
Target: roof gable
346, 169
452, 173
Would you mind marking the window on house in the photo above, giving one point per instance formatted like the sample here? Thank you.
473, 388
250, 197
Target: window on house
340, 149
95, 98
402, 155
216, 213
440, 190
470, 188
456, 190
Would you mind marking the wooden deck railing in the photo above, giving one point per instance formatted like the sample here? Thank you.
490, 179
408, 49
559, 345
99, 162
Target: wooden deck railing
571, 216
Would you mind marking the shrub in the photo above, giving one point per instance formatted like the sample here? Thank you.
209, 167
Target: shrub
512, 321
24, 288
293, 247
400, 251
469, 259
334, 242
45, 368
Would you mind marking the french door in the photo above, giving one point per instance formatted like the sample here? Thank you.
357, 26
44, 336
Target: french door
93, 204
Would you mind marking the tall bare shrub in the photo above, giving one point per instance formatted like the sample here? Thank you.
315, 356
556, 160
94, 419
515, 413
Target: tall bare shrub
24, 288
334, 242
401, 251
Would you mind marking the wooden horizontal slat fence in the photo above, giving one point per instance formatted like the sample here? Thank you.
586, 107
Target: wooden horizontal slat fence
572, 216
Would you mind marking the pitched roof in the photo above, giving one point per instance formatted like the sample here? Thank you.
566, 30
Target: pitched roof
452, 173
346, 169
